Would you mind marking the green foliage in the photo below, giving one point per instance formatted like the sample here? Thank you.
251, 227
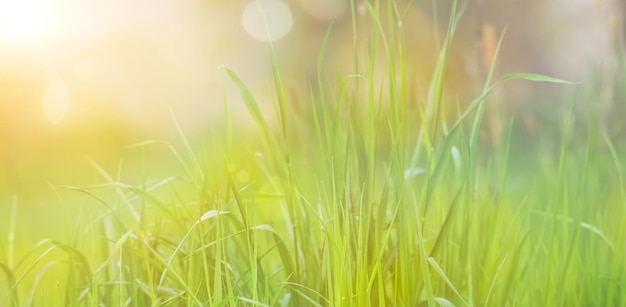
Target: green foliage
356, 200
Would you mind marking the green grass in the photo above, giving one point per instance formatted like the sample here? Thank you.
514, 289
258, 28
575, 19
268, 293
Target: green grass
353, 194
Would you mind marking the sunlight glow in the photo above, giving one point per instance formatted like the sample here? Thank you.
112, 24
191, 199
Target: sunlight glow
25, 21
56, 101
275, 12
84, 70
324, 9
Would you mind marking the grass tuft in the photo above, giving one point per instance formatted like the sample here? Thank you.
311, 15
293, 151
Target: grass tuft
362, 196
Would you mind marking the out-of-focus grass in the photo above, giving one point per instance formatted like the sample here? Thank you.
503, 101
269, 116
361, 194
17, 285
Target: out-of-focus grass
359, 195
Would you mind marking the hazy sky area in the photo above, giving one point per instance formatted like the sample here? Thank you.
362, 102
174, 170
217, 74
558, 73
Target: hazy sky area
139, 58
102, 74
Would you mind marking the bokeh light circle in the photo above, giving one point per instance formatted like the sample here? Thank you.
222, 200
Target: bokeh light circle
56, 101
267, 20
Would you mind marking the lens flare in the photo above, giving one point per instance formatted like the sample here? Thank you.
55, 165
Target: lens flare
24, 22
267, 20
56, 101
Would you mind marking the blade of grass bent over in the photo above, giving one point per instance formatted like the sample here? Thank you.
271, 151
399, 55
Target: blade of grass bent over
12, 295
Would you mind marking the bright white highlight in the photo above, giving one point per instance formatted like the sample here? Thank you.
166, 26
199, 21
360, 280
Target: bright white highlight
25, 21
56, 101
267, 20
456, 157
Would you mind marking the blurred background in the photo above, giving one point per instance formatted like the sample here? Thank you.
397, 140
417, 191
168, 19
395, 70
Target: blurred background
81, 80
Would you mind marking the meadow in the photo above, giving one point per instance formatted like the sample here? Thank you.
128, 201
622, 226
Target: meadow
353, 192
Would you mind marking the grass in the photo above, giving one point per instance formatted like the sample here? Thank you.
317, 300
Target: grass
356, 194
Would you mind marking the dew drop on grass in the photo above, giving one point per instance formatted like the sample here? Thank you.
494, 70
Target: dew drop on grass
56, 101
267, 20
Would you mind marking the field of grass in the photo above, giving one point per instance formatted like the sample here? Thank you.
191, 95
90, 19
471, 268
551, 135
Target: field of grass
353, 193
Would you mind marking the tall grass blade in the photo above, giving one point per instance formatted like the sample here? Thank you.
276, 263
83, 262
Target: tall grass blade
248, 100
443, 275
12, 295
